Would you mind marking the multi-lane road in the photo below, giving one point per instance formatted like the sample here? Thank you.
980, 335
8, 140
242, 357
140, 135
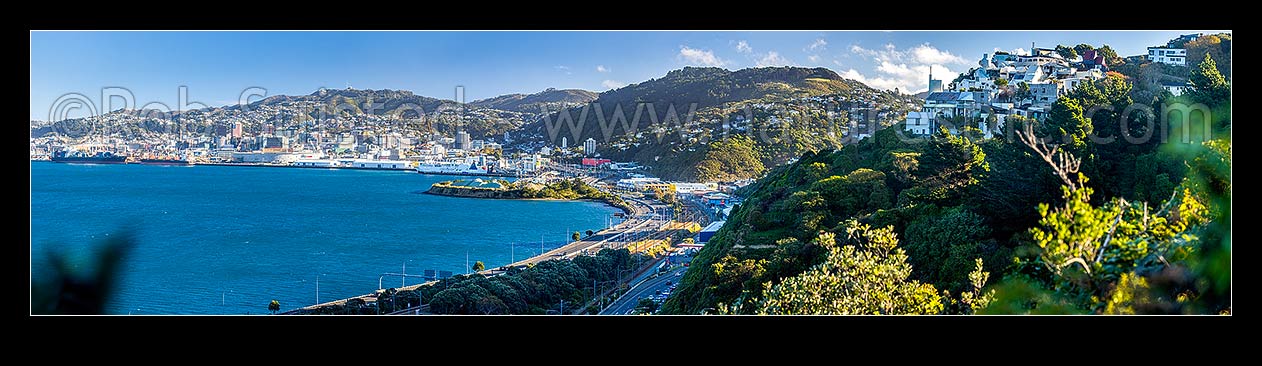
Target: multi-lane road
626, 304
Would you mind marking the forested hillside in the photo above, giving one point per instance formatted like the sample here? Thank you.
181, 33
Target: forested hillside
707, 123
960, 225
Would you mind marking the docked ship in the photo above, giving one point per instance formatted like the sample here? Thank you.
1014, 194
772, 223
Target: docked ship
477, 166
104, 157
165, 161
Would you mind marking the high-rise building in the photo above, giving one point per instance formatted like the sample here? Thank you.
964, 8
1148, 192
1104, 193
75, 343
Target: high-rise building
589, 146
565, 142
462, 140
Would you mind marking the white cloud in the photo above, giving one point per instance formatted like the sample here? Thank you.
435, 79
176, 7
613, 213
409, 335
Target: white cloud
906, 78
564, 68
927, 54
854, 75
612, 84
819, 45
886, 53
1015, 51
772, 58
743, 47
601, 68
813, 58
699, 57
905, 69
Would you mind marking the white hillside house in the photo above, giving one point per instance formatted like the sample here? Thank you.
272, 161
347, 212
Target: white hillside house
1169, 56
1031, 83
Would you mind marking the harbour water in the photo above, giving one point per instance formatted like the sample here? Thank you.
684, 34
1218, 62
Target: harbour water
228, 240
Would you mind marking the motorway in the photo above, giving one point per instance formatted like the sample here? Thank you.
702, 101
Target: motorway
637, 226
625, 304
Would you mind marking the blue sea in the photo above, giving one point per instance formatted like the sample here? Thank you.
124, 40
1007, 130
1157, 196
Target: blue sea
228, 240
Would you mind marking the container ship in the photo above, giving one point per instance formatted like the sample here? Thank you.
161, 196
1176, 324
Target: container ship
104, 157
165, 161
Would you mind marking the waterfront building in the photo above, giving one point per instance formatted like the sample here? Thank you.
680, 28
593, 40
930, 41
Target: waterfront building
462, 140
717, 199
688, 187
264, 157
707, 232
316, 163
635, 184
382, 164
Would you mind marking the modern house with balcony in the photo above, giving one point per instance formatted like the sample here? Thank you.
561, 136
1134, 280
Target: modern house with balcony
1169, 56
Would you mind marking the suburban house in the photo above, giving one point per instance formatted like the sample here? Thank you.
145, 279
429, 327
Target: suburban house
1169, 56
1174, 88
1030, 84
1174, 52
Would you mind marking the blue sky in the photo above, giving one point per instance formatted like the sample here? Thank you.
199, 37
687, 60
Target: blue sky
217, 66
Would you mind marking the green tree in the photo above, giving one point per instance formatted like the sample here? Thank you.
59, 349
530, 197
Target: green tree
274, 306
975, 298
1217, 46
863, 190
1066, 124
1208, 84
1066, 52
1082, 48
478, 266
575, 236
1001, 83
1023, 91
942, 247
867, 274
1110, 56
1104, 259
950, 165
733, 157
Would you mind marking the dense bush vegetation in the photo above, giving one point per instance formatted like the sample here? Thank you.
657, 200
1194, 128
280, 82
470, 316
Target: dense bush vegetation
1070, 226
532, 290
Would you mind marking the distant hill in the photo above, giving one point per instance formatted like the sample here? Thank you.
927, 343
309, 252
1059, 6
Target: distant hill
706, 149
341, 109
357, 100
712, 86
532, 103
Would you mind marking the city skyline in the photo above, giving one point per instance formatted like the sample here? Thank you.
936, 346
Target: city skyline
216, 67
